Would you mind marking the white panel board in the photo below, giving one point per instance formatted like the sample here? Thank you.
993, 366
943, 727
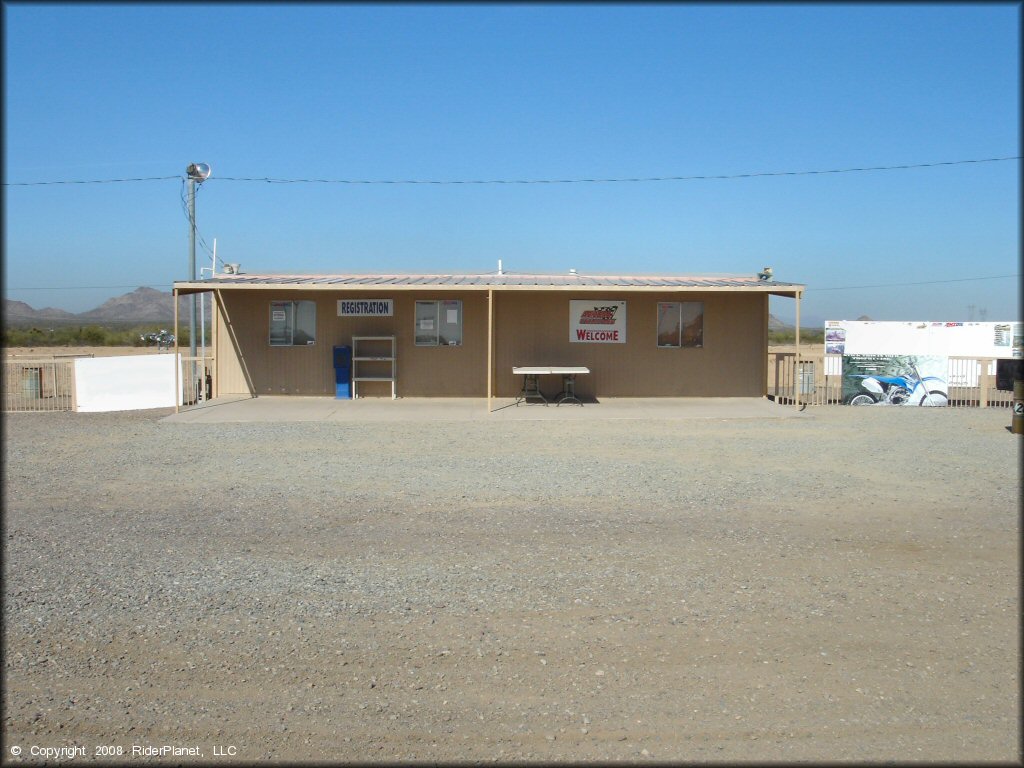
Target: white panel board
859, 337
124, 383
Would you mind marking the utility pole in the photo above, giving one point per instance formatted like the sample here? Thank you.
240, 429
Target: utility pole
197, 172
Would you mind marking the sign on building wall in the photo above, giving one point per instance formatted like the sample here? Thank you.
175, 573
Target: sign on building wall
600, 321
366, 307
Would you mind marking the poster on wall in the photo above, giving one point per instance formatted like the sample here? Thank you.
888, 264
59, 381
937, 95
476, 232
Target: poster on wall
1009, 336
597, 322
835, 341
918, 380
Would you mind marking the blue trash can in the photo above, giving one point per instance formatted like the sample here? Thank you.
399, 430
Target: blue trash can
342, 373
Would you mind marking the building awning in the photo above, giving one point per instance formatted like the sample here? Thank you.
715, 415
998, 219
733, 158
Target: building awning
491, 282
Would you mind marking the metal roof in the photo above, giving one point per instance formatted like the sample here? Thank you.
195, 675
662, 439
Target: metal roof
493, 281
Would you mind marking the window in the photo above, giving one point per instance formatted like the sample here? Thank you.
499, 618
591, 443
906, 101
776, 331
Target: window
292, 323
438, 323
681, 324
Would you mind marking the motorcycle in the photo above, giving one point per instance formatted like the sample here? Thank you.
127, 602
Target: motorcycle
910, 389
163, 339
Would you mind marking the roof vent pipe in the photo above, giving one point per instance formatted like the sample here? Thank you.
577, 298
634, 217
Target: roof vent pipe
572, 271
499, 267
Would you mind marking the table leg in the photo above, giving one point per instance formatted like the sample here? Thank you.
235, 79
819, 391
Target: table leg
568, 393
531, 388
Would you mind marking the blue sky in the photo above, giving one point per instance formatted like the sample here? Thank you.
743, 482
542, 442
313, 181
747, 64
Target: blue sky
532, 91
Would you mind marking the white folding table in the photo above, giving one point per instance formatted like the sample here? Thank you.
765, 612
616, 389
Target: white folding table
531, 386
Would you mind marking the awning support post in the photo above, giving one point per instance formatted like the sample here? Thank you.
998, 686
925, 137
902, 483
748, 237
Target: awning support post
177, 364
796, 373
490, 346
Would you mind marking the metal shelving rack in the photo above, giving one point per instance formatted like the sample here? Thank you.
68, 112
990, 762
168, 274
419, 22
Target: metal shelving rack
360, 354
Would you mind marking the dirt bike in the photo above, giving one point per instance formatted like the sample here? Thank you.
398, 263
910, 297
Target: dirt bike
911, 389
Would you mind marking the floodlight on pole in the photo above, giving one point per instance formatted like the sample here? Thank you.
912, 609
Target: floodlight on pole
196, 172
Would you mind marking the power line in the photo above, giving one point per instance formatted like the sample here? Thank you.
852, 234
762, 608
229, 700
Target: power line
618, 180
189, 219
752, 175
86, 181
924, 282
202, 240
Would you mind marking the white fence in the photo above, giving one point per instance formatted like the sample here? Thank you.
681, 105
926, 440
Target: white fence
97, 384
129, 382
38, 384
195, 379
972, 381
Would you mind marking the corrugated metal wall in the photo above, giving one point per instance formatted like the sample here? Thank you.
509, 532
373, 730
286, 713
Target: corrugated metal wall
421, 371
532, 329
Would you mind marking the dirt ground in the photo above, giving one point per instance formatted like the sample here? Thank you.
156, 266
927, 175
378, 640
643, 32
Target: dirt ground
837, 587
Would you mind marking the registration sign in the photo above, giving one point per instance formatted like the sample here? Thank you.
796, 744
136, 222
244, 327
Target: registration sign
366, 307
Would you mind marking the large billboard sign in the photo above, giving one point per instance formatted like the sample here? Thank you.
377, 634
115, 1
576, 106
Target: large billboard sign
962, 345
978, 340
600, 321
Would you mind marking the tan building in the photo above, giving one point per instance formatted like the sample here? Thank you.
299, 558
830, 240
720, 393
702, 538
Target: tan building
461, 335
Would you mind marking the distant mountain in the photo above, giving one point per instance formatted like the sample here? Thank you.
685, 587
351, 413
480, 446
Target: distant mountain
17, 312
143, 305
774, 324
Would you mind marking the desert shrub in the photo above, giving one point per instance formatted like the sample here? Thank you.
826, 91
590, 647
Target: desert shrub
79, 336
788, 336
93, 336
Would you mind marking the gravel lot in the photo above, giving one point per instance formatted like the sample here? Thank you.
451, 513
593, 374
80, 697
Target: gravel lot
839, 587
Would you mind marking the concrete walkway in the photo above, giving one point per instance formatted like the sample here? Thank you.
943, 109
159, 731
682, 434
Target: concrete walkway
271, 408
